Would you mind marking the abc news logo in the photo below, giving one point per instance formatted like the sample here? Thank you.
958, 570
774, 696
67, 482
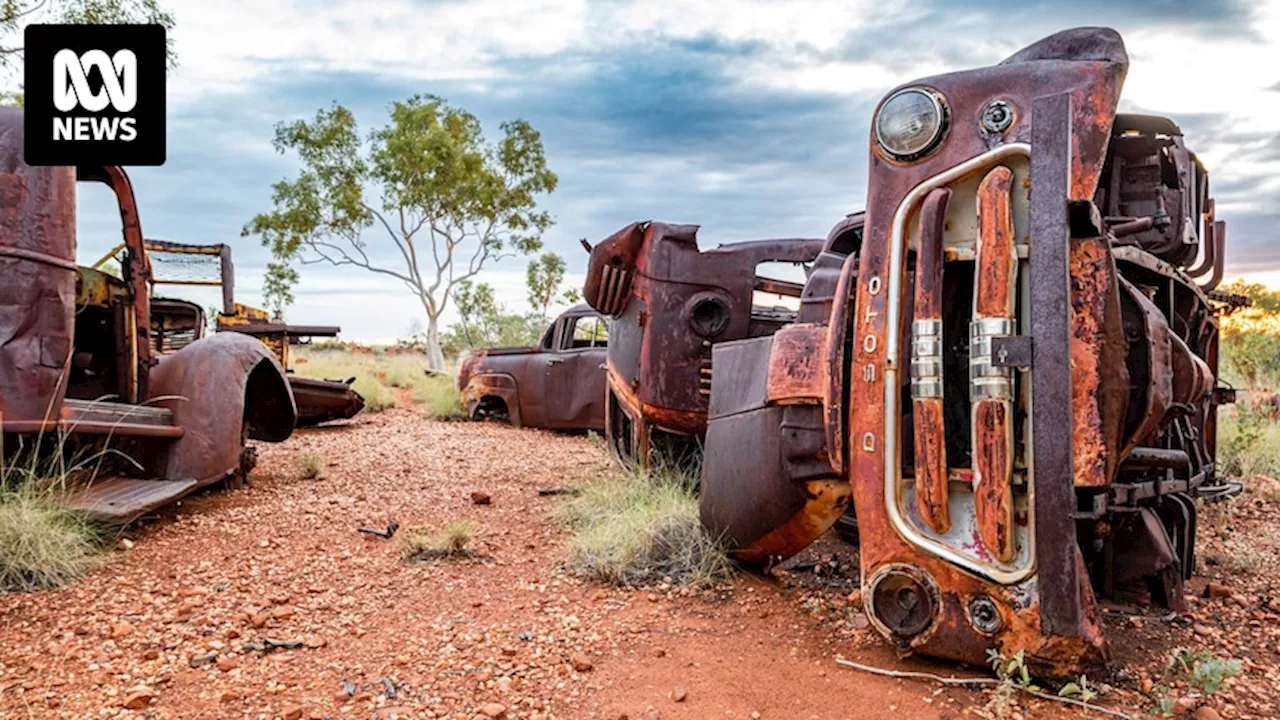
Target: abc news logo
95, 95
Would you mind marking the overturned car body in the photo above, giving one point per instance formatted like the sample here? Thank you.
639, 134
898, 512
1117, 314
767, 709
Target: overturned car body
1016, 384
79, 374
670, 303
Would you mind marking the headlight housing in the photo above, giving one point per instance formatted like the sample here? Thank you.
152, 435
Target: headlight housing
911, 122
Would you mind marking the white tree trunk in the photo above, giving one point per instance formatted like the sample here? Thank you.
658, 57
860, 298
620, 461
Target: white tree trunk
435, 356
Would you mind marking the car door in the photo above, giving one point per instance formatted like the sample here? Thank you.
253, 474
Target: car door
574, 396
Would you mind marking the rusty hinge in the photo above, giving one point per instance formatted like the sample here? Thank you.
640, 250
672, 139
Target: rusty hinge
1011, 351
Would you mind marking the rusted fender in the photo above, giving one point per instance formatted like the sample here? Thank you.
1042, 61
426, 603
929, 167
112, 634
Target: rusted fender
37, 279
221, 389
489, 384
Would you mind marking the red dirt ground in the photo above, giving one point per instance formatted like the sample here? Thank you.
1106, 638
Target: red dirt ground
176, 625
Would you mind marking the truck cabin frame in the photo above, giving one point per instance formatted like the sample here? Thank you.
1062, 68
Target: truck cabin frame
670, 302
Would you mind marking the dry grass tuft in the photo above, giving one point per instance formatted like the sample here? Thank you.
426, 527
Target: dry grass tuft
424, 543
642, 526
42, 546
310, 466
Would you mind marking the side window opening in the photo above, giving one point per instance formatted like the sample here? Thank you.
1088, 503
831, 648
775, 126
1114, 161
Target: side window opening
779, 284
585, 331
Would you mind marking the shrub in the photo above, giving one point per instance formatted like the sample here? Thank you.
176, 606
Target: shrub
423, 543
439, 395
42, 545
642, 526
1248, 442
310, 466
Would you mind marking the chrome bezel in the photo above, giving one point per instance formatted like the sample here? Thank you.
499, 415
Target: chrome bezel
939, 106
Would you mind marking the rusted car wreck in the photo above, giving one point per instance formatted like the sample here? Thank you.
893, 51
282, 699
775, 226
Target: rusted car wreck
1015, 384
176, 323
670, 303
557, 384
79, 372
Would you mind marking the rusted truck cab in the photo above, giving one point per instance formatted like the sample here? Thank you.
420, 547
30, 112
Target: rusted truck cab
1018, 377
670, 303
557, 384
79, 371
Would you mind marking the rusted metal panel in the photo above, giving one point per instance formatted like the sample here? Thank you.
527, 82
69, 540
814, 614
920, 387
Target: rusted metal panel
1061, 612
992, 386
797, 373
250, 398
37, 292
121, 500
931, 476
320, 401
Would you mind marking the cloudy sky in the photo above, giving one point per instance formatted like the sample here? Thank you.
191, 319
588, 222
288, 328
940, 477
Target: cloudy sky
747, 118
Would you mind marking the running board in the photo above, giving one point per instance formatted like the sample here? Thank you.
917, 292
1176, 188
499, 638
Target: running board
120, 501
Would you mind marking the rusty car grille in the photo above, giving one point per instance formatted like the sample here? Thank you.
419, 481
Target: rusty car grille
615, 286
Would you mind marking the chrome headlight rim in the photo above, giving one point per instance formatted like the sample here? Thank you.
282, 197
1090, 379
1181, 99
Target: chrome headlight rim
935, 140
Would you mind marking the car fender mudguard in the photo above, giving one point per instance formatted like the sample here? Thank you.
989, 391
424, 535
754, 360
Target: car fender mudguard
218, 388
491, 384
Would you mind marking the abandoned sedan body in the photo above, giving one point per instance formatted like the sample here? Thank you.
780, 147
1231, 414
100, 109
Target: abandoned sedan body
670, 302
79, 372
558, 385
1027, 287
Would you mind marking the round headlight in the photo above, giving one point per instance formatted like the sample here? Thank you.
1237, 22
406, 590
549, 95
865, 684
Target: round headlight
910, 123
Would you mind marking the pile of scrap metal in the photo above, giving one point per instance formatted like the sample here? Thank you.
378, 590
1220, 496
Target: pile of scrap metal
175, 323
1010, 373
79, 372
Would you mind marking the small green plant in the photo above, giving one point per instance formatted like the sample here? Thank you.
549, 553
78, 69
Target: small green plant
424, 543
632, 527
42, 545
1203, 672
1014, 677
1078, 689
310, 466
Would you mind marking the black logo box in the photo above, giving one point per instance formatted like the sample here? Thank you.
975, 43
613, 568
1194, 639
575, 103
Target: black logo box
147, 147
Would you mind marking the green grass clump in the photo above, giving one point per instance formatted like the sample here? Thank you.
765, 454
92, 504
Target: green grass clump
438, 395
1248, 442
310, 465
377, 397
42, 545
642, 526
423, 543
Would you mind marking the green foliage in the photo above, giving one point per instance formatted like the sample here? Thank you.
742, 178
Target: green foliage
42, 546
542, 280
450, 202
438, 394
1014, 677
1204, 672
642, 526
483, 322
277, 287
1248, 441
1261, 295
15, 15
1079, 689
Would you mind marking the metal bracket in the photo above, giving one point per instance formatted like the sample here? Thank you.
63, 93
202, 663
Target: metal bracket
1011, 351
1224, 395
